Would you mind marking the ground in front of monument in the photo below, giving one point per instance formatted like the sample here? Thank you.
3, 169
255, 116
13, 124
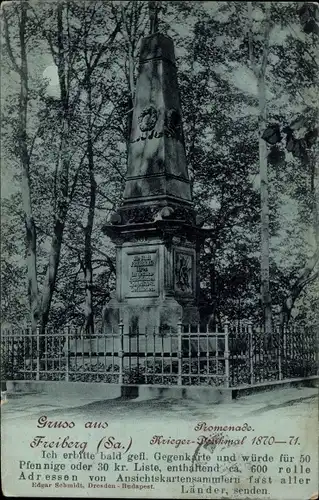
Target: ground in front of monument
274, 404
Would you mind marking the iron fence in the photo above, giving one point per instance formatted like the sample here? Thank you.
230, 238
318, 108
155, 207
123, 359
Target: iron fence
237, 353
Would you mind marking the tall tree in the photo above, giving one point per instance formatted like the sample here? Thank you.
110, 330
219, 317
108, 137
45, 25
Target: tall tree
260, 75
56, 115
15, 19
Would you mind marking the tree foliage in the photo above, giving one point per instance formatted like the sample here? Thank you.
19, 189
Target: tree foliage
68, 152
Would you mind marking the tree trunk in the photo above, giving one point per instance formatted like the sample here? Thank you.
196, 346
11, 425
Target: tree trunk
50, 279
213, 285
31, 236
260, 74
264, 206
63, 184
58, 229
89, 308
130, 36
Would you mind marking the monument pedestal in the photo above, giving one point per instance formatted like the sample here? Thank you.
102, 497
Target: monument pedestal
148, 315
156, 278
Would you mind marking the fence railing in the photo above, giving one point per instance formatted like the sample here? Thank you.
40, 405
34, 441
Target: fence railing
238, 353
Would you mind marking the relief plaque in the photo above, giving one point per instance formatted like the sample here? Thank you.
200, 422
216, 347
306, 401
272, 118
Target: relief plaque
183, 273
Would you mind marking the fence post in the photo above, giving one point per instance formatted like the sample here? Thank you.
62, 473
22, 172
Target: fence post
67, 353
251, 351
146, 354
279, 351
37, 377
121, 350
179, 351
226, 351
284, 349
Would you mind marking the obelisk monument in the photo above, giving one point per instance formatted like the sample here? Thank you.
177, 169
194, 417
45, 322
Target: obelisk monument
156, 232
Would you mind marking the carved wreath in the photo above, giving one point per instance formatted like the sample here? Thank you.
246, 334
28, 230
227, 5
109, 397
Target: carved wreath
147, 118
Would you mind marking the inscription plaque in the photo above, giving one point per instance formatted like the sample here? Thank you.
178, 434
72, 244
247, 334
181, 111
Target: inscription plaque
142, 274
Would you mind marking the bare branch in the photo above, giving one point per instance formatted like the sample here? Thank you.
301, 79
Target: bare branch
8, 44
32, 142
106, 197
105, 45
268, 27
46, 35
107, 257
113, 164
75, 179
250, 38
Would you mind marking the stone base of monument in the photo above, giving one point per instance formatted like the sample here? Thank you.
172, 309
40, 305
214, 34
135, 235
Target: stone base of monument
149, 315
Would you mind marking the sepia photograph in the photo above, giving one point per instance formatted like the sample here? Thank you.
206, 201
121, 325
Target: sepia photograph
159, 249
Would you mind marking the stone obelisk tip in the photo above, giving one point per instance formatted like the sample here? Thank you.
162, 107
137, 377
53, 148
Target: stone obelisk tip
153, 15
